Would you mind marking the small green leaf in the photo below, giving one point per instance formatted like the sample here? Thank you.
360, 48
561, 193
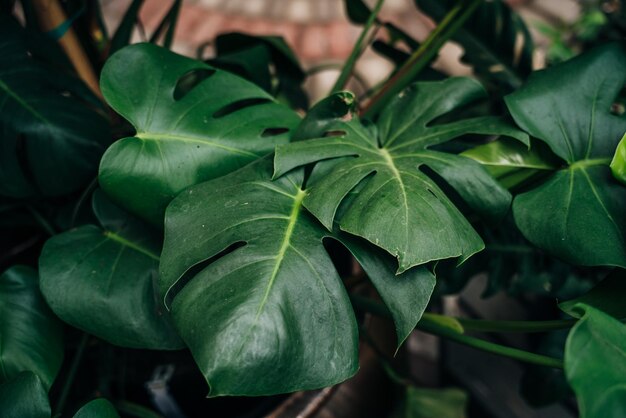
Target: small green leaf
399, 206
430, 403
578, 213
595, 364
618, 164
193, 123
103, 280
50, 138
31, 336
98, 408
255, 295
24, 397
607, 296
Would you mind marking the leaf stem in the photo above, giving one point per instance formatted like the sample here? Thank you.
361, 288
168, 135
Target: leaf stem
455, 18
436, 325
514, 353
357, 50
67, 385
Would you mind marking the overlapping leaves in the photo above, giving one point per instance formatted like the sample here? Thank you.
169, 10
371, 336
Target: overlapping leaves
103, 279
254, 294
399, 206
50, 139
578, 213
192, 121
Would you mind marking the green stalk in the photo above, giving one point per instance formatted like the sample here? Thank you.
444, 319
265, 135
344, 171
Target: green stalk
443, 326
357, 50
501, 350
515, 326
45, 225
422, 56
67, 385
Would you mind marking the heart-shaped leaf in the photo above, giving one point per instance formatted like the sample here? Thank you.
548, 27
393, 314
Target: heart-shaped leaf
578, 213
255, 295
400, 208
103, 280
31, 336
98, 408
192, 121
24, 397
595, 364
50, 139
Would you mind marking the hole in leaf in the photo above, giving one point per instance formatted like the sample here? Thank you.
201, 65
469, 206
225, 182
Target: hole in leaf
241, 104
194, 270
334, 133
274, 132
190, 80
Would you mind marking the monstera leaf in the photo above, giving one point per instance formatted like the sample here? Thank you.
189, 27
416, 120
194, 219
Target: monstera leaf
192, 121
31, 336
254, 294
24, 397
595, 364
102, 280
50, 140
578, 213
400, 208
495, 40
607, 296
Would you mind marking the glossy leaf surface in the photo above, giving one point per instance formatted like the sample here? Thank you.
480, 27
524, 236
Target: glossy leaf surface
400, 207
495, 40
31, 336
24, 397
578, 213
271, 316
192, 121
98, 408
50, 139
595, 364
103, 280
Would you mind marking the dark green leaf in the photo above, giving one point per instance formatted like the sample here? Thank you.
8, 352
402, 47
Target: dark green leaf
358, 12
31, 336
578, 213
431, 403
252, 63
193, 123
269, 315
103, 280
495, 40
98, 408
607, 296
400, 208
169, 21
50, 140
595, 364
24, 397
618, 163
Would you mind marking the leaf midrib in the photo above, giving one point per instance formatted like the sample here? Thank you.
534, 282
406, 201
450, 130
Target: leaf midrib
293, 219
22, 102
123, 241
164, 137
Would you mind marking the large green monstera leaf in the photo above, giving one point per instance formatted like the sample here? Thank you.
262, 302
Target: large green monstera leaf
31, 337
595, 364
24, 397
193, 123
400, 208
578, 213
50, 140
254, 294
103, 279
